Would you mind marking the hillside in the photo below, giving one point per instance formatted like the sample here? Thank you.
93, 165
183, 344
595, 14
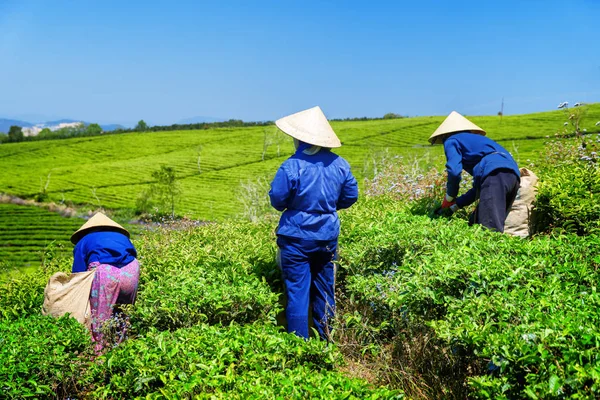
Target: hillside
211, 164
5, 124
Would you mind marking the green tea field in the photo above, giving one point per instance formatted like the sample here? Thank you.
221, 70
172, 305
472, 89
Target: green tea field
427, 307
25, 231
210, 165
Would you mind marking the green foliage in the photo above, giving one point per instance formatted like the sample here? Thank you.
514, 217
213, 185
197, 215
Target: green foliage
141, 126
392, 116
231, 123
162, 195
235, 362
45, 133
521, 316
217, 274
165, 188
42, 357
93, 129
569, 188
15, 134
220, 274
22, 294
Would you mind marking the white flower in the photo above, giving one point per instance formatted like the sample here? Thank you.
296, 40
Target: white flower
563, 104
576, 104
585, 130
598, 123
529, 338
566, 123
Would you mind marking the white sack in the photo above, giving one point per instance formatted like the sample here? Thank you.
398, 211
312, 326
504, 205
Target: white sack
69, 294
517, 222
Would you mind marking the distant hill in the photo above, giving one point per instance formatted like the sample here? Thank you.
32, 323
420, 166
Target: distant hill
58, 122
5, 124
105, 127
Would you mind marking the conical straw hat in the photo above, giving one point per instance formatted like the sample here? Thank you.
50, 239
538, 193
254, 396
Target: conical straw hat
454, 123
310, 126
97, 221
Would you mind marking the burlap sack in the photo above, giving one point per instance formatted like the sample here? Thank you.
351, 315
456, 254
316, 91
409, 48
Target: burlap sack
518, 221
69, 294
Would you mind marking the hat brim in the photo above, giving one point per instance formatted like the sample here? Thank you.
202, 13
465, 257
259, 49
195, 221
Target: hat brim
440, 138
311, 127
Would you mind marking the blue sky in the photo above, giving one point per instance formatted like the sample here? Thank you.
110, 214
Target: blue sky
163, 61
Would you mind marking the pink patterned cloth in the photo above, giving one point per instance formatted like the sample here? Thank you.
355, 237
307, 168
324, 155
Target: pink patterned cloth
111, 286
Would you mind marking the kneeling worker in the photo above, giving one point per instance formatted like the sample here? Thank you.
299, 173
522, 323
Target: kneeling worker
495, 173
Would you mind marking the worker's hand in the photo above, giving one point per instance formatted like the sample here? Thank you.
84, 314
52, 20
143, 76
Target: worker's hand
448, 201
446, 212
447, 204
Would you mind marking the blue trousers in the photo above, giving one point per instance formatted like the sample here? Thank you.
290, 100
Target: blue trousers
309, 277
497, 194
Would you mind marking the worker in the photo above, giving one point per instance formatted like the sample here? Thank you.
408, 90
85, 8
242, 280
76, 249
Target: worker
104, 245
310, 187
495, 173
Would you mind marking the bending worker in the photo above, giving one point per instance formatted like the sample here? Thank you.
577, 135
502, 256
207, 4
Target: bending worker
309, 188
104, 245
495, 173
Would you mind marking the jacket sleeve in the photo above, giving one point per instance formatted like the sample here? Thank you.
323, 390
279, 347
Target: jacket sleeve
79, 264
281, 189
453, 166
349, 193
467, 199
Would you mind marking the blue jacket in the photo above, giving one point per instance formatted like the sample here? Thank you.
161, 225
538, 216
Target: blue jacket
310, 189
113, 248
479, 156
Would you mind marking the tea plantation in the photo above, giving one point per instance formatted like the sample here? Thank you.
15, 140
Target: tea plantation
113, 171
427, 308
25, 231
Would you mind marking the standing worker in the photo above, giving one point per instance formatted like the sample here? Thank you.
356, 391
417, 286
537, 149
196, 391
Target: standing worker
495, 173
104, 245
309, 188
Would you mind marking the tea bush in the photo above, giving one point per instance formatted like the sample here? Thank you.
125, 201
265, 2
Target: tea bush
569, 188
23, 294
42, 356
527, 310
252, 361
214, 274
195, 295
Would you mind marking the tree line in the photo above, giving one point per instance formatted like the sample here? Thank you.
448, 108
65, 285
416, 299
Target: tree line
16, 134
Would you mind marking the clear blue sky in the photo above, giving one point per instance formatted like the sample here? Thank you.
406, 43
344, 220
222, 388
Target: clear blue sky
120, 61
